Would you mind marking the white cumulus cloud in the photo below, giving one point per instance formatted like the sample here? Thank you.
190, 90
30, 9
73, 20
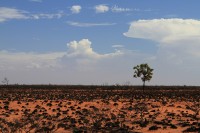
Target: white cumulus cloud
164, 30
76, 9
101, 8
11, 13
83, 48
181, 36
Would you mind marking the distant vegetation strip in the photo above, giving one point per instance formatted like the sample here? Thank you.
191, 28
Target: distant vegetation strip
103, 87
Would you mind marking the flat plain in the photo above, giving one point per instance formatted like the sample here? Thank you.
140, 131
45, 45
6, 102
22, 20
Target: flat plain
111, 109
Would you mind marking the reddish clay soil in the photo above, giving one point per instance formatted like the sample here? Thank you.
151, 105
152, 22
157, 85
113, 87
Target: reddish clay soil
99, 109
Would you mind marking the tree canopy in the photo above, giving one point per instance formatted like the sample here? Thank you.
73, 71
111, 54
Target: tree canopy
144, 71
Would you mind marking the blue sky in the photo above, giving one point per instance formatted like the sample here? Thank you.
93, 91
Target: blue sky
98, 42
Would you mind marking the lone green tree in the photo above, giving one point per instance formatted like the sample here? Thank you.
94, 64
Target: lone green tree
143, 71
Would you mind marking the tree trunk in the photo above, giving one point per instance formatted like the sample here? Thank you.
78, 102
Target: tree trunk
143, 85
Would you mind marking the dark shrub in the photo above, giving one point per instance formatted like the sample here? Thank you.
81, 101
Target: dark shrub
153, 127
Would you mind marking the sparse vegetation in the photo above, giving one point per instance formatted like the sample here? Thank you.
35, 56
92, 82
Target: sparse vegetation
5, 81
98, 109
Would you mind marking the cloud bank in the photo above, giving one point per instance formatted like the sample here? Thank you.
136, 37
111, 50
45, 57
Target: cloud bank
178, 46
70, 67
22, 60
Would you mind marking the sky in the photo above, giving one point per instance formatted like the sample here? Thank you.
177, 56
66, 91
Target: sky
88, 42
